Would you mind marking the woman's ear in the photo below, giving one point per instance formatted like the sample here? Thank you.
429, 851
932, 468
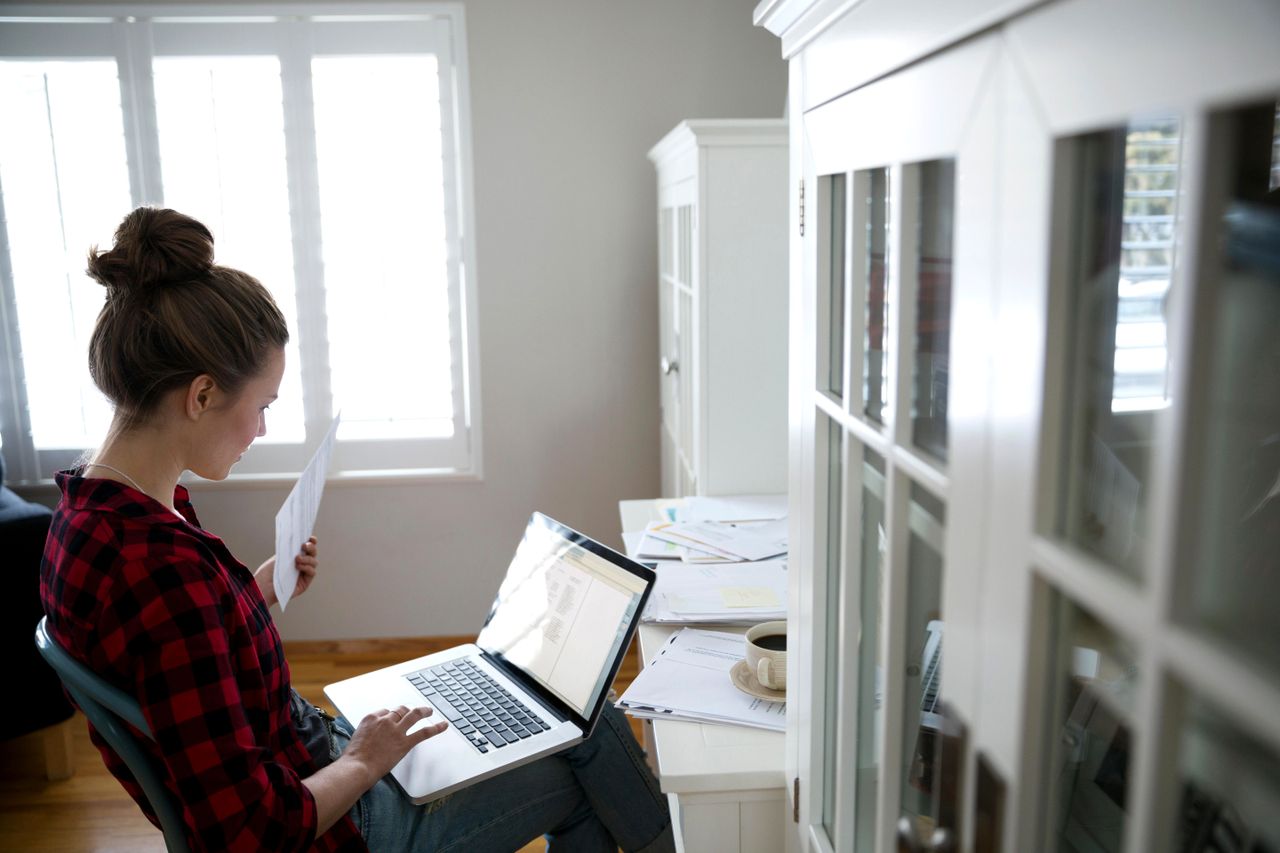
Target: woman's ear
200, 396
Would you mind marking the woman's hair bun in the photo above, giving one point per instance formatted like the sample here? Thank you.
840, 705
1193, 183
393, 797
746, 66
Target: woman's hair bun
153, 246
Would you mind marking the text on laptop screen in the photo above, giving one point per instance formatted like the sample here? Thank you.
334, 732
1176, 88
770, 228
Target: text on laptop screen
562, 614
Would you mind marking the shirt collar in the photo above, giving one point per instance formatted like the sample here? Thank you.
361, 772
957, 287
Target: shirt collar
92, 493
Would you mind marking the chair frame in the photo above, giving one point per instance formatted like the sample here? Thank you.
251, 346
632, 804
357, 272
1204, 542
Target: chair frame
109, 709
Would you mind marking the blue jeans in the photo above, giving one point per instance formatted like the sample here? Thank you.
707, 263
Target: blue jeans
598, 795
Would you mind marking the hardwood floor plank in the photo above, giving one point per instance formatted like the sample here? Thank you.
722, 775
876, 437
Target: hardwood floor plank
91, 813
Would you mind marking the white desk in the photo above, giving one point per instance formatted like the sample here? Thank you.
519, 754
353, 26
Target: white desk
725, 784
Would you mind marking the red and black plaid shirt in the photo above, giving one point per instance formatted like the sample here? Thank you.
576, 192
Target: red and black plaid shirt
161, 608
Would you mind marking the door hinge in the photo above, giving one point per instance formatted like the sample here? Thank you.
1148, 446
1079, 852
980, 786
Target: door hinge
795, 800
802, 207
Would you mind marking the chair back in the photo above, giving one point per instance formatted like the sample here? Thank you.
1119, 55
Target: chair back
108, 709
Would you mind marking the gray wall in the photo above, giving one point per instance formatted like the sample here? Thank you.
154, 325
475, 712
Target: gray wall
567, 97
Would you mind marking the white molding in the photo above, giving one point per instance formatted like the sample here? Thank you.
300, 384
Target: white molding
799, 22
693, 133
869, 39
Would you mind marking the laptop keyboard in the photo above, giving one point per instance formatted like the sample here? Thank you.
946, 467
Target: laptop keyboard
476, 705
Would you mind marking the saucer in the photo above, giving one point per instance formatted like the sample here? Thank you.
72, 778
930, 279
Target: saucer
745, 680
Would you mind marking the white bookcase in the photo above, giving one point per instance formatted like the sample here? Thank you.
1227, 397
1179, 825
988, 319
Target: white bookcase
722, 248
1015, 550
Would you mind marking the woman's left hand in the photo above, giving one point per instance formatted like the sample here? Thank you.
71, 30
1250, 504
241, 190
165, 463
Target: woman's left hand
307, 562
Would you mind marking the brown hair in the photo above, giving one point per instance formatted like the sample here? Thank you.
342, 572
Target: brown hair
172, 314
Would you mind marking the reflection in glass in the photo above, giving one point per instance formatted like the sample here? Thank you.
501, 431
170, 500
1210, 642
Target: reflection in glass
831, 689
1230, 787
1235, 581
933, 306
875, 345
835, 290
870, 667
1122, 256
1093, 688
1274, 183
921, 726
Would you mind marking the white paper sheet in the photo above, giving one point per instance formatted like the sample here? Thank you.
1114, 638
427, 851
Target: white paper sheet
689, 679
654, 547
297, 516
744, 541
714, 593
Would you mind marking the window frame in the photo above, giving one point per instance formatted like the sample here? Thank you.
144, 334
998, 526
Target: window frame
135, 34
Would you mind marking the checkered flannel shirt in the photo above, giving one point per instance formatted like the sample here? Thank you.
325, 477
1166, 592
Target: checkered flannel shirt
160, 608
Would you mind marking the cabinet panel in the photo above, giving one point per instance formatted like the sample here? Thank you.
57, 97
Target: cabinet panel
722, 196
1086, 419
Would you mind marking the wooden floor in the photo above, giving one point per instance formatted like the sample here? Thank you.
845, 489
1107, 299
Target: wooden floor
91, 812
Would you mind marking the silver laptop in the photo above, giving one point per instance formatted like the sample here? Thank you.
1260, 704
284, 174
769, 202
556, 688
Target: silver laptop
536, 679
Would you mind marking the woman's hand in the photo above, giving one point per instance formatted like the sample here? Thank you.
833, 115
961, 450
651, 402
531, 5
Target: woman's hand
307, 562
383, 738
379, 742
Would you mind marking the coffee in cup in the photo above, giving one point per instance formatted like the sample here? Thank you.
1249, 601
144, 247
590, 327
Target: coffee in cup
767, 653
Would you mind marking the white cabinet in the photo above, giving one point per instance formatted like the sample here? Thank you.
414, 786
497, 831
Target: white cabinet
722, 249
1017, 551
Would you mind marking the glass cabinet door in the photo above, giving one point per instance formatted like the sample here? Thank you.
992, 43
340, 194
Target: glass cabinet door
1053, 527
878, 404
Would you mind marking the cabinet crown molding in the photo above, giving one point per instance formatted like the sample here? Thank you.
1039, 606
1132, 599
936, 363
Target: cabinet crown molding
798, 22
691, 133
881, 35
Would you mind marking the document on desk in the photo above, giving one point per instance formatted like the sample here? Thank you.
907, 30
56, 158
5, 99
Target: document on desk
653, 547
734, 541
688, 679
735, 593
297, 516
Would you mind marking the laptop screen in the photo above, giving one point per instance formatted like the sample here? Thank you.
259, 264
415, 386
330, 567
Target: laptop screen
564, 612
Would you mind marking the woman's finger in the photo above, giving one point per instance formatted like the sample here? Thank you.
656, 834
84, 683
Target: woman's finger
429, 731
413, 716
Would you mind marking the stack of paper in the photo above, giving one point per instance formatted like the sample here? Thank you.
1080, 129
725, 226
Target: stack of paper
718, 560
715, 541
689, 680
727, 593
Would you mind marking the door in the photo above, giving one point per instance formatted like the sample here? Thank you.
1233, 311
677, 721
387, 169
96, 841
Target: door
1039, 429
896, 295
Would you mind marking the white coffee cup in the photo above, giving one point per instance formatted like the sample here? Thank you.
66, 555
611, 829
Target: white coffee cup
767, 653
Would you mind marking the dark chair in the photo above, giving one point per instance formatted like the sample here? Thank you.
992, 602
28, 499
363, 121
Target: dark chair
23, 529
109, 708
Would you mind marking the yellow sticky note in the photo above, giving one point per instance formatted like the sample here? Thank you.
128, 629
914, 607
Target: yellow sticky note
748, 596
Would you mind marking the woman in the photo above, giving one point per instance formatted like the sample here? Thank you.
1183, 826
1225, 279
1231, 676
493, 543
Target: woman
191, 355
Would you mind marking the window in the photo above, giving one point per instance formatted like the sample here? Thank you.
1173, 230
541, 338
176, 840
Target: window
328, 154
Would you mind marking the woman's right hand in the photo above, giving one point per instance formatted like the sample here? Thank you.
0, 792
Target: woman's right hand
382, 739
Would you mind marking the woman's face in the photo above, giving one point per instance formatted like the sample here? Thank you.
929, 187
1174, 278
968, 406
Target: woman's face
234, 422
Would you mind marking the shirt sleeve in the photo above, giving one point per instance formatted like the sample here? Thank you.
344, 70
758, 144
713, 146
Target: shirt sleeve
235, 795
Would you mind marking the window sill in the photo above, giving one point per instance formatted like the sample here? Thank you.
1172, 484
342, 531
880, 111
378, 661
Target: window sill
400, 477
